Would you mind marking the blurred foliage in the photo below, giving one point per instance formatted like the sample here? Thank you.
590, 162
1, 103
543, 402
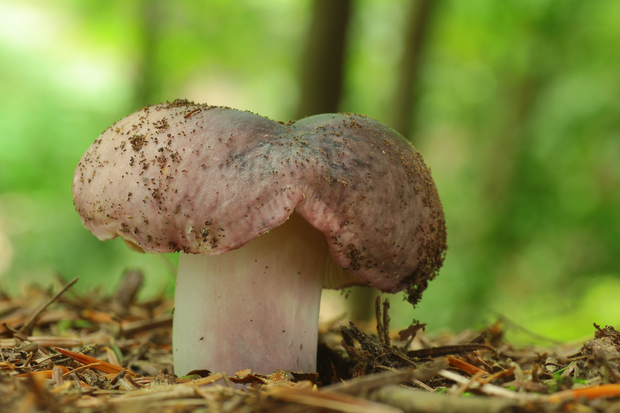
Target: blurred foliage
517, 114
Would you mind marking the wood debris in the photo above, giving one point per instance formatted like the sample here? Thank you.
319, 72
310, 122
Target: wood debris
69, 352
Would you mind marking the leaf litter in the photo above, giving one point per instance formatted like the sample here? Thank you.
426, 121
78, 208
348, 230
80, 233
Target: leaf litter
66, 352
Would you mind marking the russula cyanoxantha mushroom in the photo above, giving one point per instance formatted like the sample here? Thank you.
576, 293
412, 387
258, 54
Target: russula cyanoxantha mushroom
265, 215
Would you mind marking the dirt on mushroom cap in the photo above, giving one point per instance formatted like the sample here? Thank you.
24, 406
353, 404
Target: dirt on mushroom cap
201, 179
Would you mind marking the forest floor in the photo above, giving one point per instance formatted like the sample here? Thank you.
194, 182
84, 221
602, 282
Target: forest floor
66, 352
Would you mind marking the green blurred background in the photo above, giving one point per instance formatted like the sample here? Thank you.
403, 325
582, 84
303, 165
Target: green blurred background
514, 105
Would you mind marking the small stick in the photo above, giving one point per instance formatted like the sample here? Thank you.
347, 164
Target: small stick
187, 115
81, 368
392, 376
446, 350
413, 400
126, 292
422, 385
43, 341
141, 326
489, 389
386, 323
205, 380
499, 374
29, 325
133, 382
378, 316
463, 387
16, 333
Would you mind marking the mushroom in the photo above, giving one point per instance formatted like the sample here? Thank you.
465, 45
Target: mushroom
264, 215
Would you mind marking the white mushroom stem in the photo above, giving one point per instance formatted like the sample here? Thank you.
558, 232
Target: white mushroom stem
255, 308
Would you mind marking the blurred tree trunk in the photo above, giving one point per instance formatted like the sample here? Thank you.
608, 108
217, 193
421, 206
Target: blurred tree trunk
149, 20
322, 79
321, 85
322, 64
415, 39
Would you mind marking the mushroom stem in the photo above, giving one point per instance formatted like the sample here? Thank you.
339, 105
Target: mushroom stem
252, 308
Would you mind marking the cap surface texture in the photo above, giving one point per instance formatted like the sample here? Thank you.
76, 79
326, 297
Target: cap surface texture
186, 177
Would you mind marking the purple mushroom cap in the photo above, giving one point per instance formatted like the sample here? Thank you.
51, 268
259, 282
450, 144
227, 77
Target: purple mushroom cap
207, 180
202, 179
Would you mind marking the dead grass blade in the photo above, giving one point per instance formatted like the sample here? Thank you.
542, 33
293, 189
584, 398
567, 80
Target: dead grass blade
29, 325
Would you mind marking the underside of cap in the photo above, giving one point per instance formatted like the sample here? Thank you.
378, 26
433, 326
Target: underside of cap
202, 179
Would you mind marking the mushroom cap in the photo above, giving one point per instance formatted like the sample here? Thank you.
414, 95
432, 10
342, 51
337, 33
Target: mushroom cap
188, 177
